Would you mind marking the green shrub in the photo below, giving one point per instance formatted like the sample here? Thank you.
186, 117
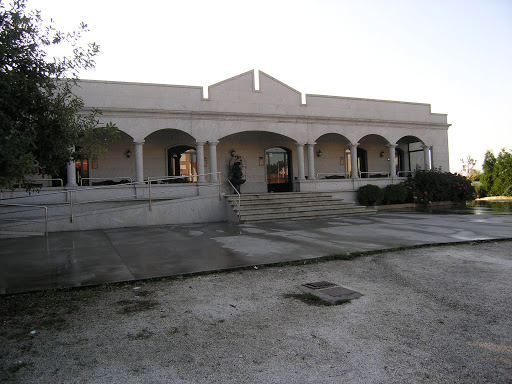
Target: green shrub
426, 186
395, 194
370, 195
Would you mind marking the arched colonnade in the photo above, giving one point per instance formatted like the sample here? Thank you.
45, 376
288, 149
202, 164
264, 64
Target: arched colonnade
315, 153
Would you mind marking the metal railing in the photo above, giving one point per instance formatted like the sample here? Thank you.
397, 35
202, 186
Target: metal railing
30, 221
106, 179
194, 185
373, 173
56, 179
344, 174
238, 193
71, 194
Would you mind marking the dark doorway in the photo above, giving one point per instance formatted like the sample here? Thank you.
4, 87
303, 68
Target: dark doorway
182, 161
278, 169
362, 162
399, 162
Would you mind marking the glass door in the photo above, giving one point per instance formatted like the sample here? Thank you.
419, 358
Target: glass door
278, 170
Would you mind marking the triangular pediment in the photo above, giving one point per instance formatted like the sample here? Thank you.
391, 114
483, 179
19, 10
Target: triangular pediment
241, 89
240, 83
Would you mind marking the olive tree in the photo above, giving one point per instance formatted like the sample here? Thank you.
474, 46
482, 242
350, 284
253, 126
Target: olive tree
41, 119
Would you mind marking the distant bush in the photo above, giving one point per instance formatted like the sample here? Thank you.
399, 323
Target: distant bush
427, 186
395, 194
370, 195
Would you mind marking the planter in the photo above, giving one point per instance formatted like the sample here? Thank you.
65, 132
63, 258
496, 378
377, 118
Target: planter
237, 183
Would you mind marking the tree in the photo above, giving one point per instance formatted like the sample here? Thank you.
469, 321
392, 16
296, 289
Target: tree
488, 167
468, 168
502, 174
41, 120
497, 177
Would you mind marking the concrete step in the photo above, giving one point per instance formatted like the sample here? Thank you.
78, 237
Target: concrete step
304, 215
276, 205
318, 209
278, 196
292, 206
302, 200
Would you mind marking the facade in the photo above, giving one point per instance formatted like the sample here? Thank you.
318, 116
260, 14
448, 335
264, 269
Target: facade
183, 147
288, 142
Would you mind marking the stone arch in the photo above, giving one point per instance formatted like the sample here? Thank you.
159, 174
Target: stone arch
411, 155
331, 157
117, 164
372, 153
251, 146
157, 146
270, 129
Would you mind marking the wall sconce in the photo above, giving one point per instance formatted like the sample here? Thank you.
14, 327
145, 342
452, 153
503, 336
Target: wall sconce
128, 153
319, 153
260, 161
233, 153
381, 153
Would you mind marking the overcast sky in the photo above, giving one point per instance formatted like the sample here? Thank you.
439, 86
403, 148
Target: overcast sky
453, 54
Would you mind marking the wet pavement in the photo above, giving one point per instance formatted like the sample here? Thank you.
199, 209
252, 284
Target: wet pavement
74, 259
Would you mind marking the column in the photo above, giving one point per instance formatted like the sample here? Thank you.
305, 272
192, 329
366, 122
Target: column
426, 156
300, 161
353, 160
213, 161
392, 166
139, 162
71, 174
311, 161
200, 161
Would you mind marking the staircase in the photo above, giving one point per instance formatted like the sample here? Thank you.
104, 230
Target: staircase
292, 206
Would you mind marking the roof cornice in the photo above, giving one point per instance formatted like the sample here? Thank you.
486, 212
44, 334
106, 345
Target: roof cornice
240, 116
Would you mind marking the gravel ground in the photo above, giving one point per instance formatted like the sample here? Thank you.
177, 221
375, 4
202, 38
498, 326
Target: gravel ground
429, 315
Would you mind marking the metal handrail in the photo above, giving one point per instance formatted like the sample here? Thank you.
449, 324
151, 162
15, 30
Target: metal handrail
33, 206
373, 173
61, 181
238, 193
71, 192
106, 178
344, 174
162, 178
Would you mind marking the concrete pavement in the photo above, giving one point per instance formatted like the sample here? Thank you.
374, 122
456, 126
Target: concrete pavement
74, 259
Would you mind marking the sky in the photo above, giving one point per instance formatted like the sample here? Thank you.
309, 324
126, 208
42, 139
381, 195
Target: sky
453, 54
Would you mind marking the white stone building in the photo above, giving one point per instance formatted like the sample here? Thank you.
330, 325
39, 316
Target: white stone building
288, 142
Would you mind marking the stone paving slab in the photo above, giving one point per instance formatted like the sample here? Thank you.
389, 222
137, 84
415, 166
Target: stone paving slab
74, 259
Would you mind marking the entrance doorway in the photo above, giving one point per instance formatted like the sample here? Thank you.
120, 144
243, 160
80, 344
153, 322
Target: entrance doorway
278, 169
362, 163
182, 161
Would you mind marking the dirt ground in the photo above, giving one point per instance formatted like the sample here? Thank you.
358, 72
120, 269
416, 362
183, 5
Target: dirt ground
429, 315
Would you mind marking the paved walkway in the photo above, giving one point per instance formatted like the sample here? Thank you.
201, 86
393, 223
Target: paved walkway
74, 259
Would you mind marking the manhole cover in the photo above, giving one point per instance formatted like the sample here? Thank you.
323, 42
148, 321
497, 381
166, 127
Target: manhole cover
319, 285
337, 291
330, 292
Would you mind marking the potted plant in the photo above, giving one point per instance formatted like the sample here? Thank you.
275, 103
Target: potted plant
236, 170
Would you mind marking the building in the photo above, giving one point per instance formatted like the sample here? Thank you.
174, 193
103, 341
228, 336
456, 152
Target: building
286, 141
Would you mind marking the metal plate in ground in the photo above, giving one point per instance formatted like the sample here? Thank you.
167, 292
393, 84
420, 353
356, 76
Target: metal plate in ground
332, 293
337, 291
319, 285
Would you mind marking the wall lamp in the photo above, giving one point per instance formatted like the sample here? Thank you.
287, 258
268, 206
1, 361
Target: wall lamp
128, 153
381, 153
319, 153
